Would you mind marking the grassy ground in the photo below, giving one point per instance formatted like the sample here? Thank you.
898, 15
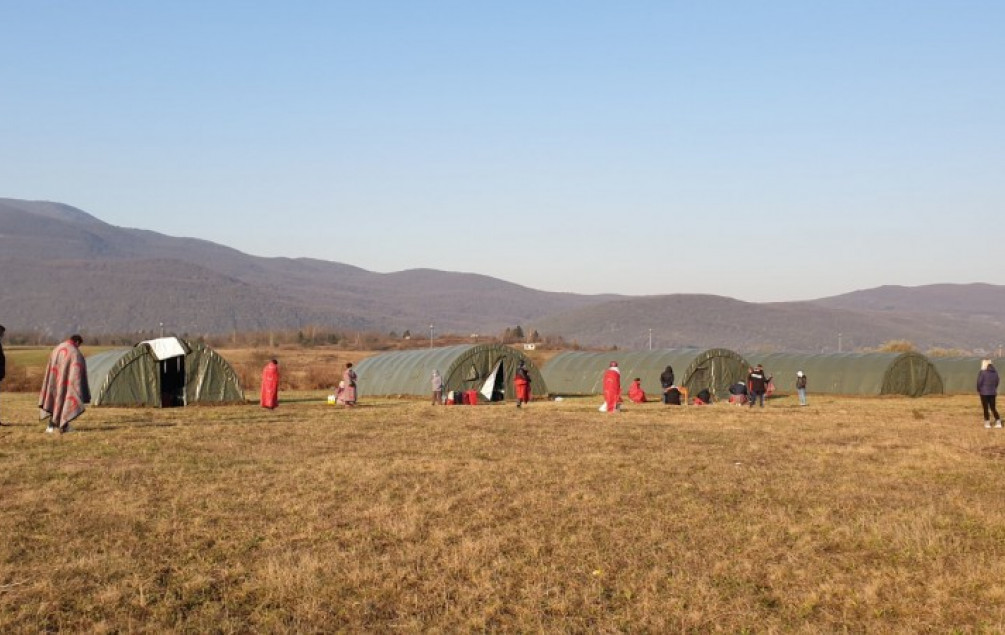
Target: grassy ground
857, 514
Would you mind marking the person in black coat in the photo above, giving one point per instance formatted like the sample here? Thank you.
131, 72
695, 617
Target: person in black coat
666, 381
3, 361
757, 383
987, 388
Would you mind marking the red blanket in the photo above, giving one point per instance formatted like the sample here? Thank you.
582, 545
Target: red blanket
270, 385
64, 389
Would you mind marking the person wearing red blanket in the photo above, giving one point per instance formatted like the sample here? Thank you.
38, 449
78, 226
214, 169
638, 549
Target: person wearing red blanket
612, 387
270, 385
635, 392
64, 388
521, 381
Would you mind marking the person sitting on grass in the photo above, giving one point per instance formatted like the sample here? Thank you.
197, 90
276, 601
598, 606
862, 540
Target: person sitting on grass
703, 398
635, 392
738, 393
673, 394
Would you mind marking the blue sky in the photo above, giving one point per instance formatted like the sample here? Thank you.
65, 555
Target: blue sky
761, 150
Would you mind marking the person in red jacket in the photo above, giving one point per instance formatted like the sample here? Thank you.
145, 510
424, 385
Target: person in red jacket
612, 387
270, 385
635, 392
521, 381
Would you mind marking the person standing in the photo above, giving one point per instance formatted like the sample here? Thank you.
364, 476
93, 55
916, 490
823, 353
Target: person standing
270, 385
521, 381
3, 362
347, 396
757, 385
801, 387
64, 388
987, 388
612, 387
437, 383
666, 381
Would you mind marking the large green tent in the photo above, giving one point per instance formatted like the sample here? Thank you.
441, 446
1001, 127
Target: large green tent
166, 372
486, 368
910, 374
581, 372
959, 374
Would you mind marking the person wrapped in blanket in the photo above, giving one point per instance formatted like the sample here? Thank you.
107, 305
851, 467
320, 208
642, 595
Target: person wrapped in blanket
703, 398
738, 393
64, 388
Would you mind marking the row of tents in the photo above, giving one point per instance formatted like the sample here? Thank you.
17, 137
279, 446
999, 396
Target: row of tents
169, 372
489, 369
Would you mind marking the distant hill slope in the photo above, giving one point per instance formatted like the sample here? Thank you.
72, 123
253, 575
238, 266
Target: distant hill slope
976, 299
65, 270
714, 321
112, 278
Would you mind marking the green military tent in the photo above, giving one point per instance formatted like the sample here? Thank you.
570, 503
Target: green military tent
581, 372
910, 374
485, 368
959, 374
165, 372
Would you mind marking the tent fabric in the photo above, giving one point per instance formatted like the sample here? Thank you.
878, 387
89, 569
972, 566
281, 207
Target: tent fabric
910, 374
132, 377
166, 347
464, 367
959, 374
581, 372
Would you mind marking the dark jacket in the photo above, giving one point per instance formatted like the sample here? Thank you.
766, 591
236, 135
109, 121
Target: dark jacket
801, 382
666, 378
673, 396
987, 381
739, 388
758, 382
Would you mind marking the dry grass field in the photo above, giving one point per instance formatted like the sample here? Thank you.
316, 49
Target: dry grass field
850, 514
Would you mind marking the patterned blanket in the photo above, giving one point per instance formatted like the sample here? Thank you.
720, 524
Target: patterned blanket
64, 389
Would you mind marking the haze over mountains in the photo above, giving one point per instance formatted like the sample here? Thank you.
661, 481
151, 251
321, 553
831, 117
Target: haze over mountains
63, 270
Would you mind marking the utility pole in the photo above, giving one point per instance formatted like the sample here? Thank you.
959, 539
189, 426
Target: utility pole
430, 336
839, 342
650, 339
162, 329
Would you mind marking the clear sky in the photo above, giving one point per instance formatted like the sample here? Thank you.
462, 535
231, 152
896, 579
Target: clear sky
763, 150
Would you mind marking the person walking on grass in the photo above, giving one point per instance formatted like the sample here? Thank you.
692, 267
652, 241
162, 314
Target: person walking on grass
757, 385
270, 385
3, 363
64, 388
987, 388
801, 387
437, 384
347, 393
612, 387
521, 382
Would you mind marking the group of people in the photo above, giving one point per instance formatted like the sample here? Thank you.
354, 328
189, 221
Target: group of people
752, 391
760, 385
521, 385
65, 389
345, 393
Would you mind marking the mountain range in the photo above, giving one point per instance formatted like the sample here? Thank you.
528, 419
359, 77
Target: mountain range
64, 270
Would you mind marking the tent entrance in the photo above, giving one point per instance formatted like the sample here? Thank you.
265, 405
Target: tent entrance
494, 388
172, 381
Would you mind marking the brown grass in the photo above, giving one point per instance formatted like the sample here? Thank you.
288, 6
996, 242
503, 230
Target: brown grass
857, 514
